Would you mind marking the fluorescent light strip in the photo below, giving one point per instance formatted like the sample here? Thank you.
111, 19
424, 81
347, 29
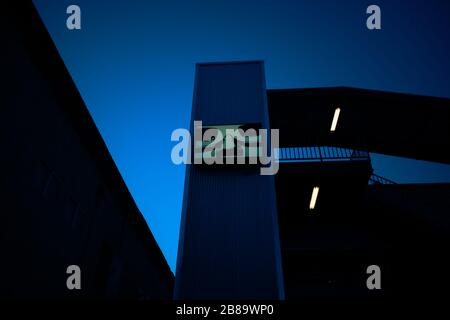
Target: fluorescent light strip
335, 119
315, 192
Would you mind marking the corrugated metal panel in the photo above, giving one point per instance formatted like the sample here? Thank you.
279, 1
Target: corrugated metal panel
229, 243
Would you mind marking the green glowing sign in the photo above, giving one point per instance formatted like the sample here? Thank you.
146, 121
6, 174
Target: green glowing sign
236, 141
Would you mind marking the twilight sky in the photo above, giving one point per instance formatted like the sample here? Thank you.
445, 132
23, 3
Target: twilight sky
133, 63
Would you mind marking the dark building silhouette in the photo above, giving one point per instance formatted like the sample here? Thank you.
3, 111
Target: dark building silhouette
243, 235
229, 244
63, 201
360, 219
231, 231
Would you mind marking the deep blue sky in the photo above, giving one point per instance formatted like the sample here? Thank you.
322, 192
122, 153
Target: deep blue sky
133, 62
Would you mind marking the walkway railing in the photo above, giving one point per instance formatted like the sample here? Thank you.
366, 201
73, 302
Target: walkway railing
376, 179
323, 154
319, 154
